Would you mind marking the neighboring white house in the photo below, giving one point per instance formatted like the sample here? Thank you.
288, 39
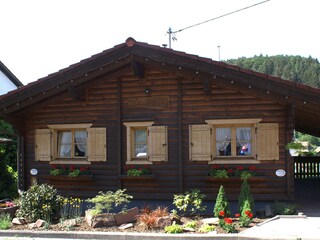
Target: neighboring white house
8, 81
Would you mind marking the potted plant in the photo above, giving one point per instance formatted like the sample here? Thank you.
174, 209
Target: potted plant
295, 148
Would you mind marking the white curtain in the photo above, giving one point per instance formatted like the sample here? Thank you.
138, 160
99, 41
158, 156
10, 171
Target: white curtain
244, 138
81, 141
65, 144
223, 136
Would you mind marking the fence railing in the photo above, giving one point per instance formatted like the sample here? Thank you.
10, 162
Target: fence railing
306, 167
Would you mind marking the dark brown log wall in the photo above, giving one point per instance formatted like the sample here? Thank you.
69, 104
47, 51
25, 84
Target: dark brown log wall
102, 107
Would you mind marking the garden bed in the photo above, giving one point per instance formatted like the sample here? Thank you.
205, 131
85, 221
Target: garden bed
83, 226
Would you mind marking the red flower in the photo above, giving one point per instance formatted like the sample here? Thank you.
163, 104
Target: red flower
230, 170
250, 215
247, 212
237, 215
215, 167
252, 168
72, 168
228, 220
54, 166
240, 168
63, 166
82, 169
222, 213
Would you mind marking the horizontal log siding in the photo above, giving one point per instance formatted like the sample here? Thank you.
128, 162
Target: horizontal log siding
100, 108
226, 103
160, 84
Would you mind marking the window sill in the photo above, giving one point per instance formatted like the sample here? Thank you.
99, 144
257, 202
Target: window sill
234, 161
71, 161
139, 162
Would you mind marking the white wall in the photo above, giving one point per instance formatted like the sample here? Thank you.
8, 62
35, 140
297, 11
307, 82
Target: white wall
5, 84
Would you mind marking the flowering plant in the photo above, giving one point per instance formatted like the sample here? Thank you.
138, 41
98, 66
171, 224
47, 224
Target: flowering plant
138, 171
7, 204
68, 171
239, 171
228, 225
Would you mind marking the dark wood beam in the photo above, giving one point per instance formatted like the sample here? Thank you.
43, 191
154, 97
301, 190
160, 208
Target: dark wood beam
77, 93
138, 69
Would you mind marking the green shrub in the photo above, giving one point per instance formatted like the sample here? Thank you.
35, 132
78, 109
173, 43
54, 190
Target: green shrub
205, 228
5, 221
246, 214
174, 228
281, 208
40, 201
221, 207
244, 195
191, 224
189, 201
107, 201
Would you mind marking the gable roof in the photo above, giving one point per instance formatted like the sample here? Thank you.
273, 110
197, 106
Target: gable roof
304, 100
10, 75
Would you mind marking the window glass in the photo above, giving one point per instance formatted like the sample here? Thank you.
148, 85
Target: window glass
243, 142
140, 143
223, 141
64, 146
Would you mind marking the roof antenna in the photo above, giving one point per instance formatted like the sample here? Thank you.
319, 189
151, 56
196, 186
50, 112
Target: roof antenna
172, 33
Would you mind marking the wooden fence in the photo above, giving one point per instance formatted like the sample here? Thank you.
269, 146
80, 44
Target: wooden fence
306, 167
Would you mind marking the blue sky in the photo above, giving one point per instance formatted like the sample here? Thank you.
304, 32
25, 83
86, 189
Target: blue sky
40, 37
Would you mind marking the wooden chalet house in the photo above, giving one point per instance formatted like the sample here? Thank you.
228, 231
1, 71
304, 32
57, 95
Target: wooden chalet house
178, 114
8, 81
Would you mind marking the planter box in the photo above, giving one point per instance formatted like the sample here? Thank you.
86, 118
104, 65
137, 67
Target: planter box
142, 178
10, 210
235, 179
84, 180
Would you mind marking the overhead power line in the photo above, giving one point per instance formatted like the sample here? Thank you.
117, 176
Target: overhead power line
170, 32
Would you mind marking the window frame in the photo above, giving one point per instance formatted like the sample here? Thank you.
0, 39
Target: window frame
233, 124
131, 127
73, 143
233, 141
55, 128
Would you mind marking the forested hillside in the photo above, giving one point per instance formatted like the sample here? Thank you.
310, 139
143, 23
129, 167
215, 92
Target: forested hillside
295, 68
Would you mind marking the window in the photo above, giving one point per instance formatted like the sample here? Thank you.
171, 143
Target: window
146, 143
233, 141
72, 143
76, 143
240, 140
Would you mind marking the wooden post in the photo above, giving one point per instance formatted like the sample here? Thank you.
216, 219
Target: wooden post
180, 140
119, 113
290, 125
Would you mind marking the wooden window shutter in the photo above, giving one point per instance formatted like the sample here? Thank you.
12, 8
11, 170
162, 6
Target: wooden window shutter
200, 139
267, 141
157, 143
97, 144
42, 140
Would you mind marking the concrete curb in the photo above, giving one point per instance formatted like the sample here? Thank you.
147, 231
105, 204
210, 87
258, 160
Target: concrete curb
130, 236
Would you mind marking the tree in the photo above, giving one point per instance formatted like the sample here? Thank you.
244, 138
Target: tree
8, 162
